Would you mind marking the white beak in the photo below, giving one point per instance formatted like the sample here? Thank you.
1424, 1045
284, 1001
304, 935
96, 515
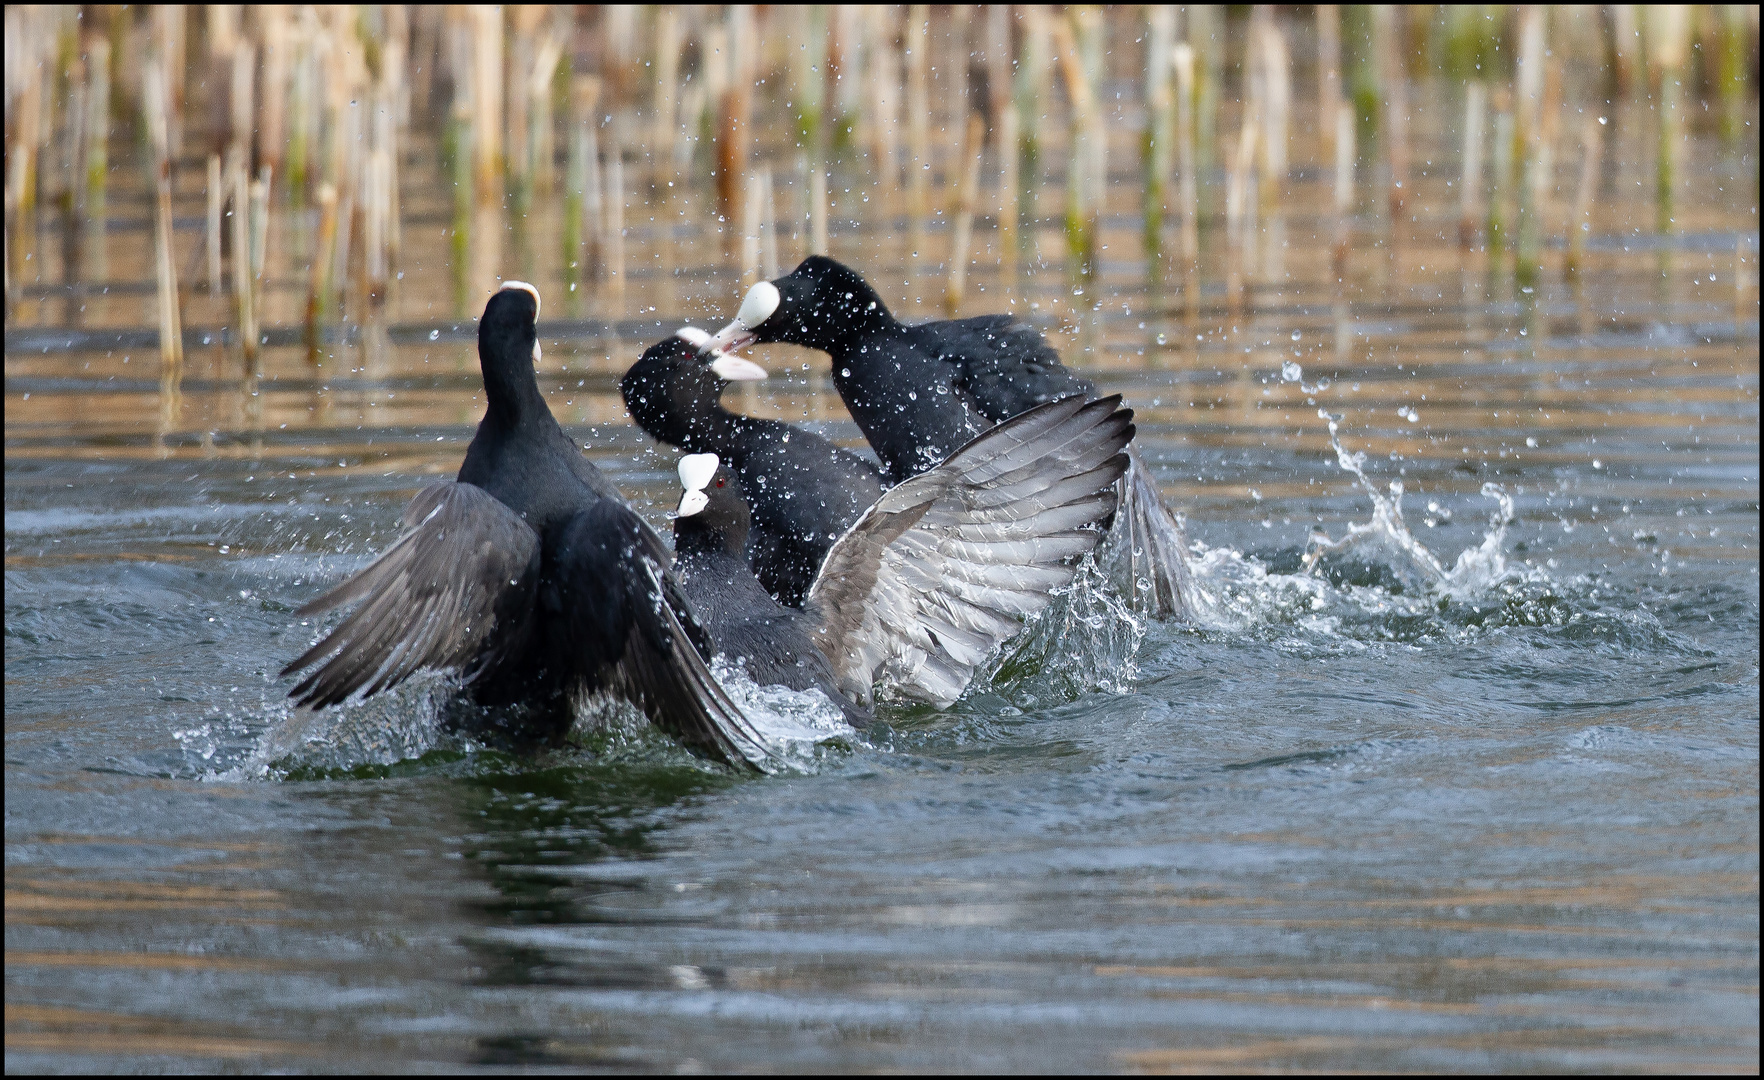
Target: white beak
691, 502
757, 306
735, 369
732, 337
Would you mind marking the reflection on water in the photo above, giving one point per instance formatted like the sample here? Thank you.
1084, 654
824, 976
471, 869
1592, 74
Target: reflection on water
1459, 773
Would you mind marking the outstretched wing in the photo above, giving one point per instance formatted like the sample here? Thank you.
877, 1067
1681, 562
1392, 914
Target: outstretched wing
631, 630
465, 566
944, 568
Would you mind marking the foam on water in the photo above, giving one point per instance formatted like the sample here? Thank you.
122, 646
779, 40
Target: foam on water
797, 725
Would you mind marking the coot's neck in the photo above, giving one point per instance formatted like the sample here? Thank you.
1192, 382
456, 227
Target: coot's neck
850, 322
697, 542
511, 390
726, 434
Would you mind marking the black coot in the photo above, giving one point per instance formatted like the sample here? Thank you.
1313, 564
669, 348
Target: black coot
931, 580
531, 577
803, 490
919, 391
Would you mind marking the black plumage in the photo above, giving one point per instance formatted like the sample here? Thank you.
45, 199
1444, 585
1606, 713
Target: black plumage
531, 577
803, 490
918, 392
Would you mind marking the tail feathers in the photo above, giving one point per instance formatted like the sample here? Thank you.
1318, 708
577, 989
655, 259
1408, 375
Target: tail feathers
1149, 556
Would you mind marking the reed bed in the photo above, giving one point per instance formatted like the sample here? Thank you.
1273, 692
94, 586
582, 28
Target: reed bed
980, 136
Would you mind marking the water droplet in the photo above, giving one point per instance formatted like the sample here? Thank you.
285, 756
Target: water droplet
434, 335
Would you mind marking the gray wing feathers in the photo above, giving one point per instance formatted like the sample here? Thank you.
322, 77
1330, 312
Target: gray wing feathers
944, 568
429, 602
1154, 551
667, 678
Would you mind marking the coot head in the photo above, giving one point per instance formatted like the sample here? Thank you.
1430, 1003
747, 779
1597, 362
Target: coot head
508, 348
712, 512
674, 387
817, 305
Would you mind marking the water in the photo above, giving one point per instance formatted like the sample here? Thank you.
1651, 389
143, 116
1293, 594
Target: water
1459, 770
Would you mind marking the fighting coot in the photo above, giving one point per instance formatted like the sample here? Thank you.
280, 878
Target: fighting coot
927, 584
531, 577
919, 391
803, 490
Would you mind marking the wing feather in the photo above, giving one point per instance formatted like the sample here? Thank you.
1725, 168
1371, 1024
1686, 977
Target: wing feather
464, 564
943, 569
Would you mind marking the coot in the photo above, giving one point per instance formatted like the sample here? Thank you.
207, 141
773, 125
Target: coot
933, 578
919, 391
531, 577
803, 490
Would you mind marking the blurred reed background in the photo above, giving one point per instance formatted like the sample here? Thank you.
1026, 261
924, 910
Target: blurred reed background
243, 175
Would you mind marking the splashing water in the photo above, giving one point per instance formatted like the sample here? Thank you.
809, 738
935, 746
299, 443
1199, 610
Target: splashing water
1476, 569
797, 724
1087, 640
382, 730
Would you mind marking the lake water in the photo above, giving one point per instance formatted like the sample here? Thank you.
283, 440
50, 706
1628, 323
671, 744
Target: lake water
1473, 787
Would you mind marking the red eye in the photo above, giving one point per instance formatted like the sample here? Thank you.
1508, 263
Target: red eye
719, 481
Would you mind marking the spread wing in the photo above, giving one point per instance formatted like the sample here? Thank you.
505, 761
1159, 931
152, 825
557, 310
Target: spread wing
631, 627
944, 568
465, 565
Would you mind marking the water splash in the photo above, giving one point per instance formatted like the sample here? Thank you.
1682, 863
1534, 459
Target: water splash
1087, 640
1476, 570
798, 725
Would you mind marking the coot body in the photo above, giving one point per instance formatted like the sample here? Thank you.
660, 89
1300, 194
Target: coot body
802, 489
531, 577
919, 391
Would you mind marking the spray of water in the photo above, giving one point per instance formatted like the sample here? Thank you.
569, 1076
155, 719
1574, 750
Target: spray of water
1087, 640
798, 725
1476, 569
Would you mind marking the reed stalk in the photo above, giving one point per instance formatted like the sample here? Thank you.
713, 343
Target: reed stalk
1276, 106
1470, 180
1188, 166
1079, 40
251, 333
1669, 33
1394, 115
97, 154
1592, 143
735, 122
1346, 154
1328, 76
818, 211
1239, 208
541, 138
581, 179
614, 202
486, 104
318, 291
1034, 73
1499, 223
155, 103
750, 231
1158, 149
238, 185
1206, 32
1002, 113
670, 38
967, 193
217, 198
1730, 71
1530, 142
918, 104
